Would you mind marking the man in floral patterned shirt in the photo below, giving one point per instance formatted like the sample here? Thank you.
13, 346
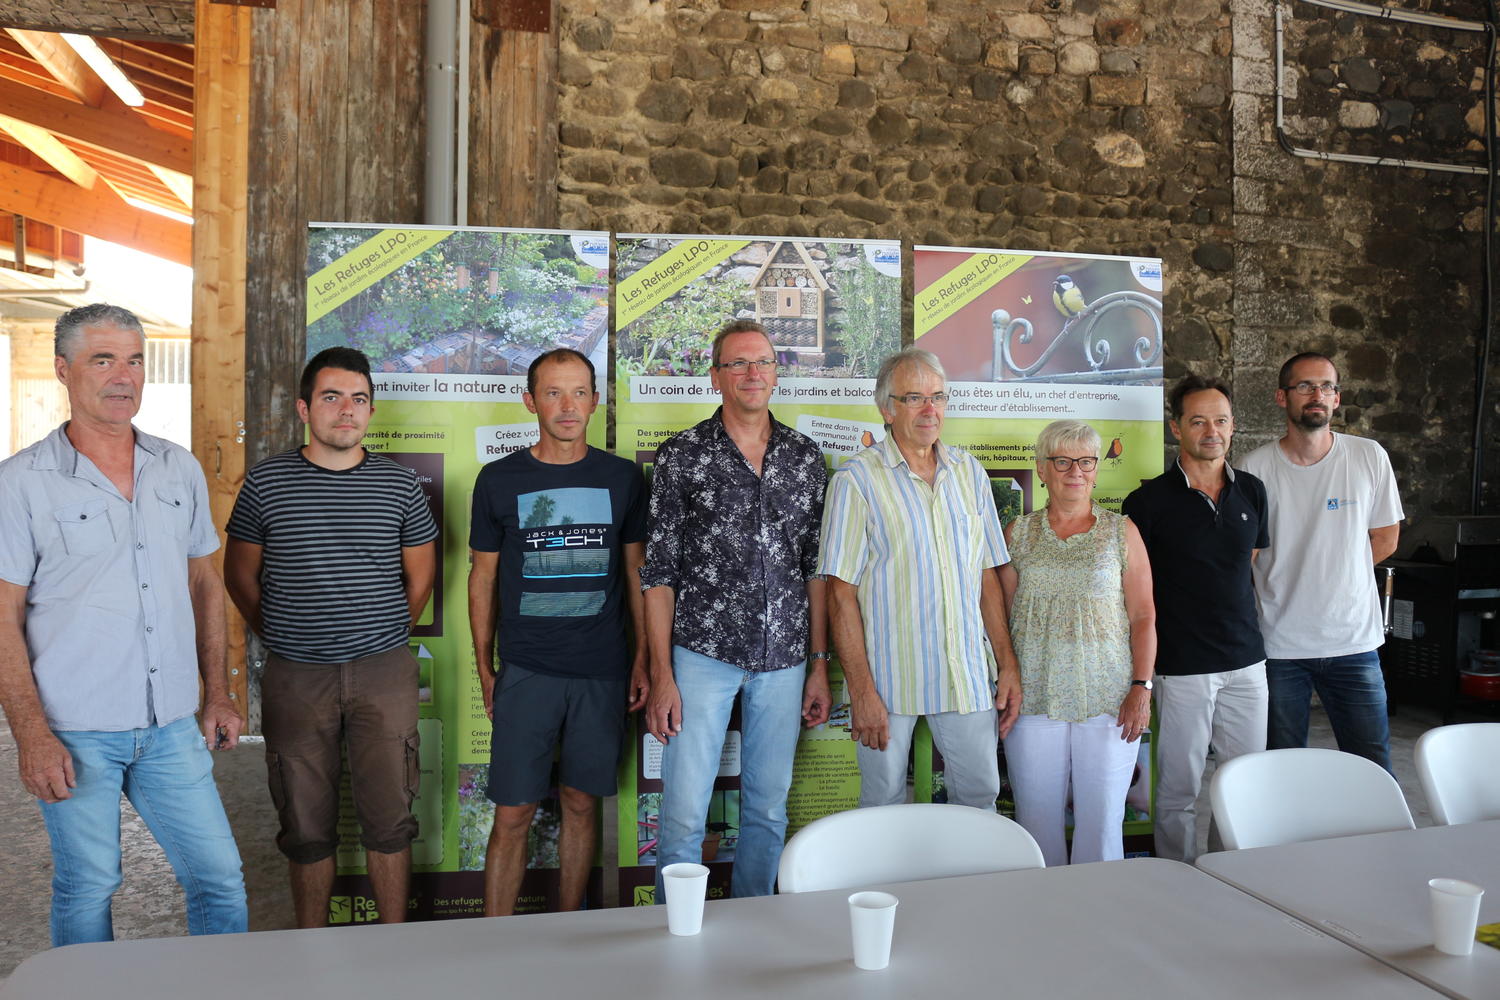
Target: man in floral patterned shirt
733, 607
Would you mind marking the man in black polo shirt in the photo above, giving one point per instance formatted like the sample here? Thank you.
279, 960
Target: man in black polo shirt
1202, 523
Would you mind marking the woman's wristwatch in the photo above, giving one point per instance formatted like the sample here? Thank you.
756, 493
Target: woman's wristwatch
819, 655
1137, 682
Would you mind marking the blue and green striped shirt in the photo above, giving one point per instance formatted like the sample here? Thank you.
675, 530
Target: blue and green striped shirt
916, 553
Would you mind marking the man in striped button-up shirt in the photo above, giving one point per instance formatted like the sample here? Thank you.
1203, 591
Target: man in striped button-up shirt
910, 540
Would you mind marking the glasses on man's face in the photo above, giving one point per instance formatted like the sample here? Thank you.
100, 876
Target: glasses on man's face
915, 400
763, 367
1308, 388
1063, 463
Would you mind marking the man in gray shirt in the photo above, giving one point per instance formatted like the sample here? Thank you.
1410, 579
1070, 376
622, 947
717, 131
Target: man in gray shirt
111, 612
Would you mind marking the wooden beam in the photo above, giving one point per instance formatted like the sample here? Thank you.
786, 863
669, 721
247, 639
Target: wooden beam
57, 156
66, 66
221, 155
99, 212
512, 117
114, 127
138, 60
23, 69
180, 185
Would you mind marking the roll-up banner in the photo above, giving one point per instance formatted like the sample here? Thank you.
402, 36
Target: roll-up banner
833, 311
451, 319
1028, 338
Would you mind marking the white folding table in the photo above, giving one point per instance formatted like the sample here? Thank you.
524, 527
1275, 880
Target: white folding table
1371, 891
1141, 928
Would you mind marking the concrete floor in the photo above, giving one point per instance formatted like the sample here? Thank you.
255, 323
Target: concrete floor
149, 903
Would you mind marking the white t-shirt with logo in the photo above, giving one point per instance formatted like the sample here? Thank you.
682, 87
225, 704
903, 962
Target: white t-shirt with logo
1315, 585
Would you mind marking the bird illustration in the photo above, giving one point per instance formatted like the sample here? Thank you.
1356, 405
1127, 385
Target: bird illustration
1116, 449
866, 439
1067, 296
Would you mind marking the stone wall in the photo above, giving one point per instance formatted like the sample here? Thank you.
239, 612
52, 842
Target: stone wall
1378, 267
1126, 127
161, 20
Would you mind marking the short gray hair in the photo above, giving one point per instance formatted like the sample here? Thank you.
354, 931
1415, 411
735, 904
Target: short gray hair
71, 323
907, 355
1065, 432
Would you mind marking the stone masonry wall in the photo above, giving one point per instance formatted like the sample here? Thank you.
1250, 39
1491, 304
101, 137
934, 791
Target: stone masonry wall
1378, 267
1103, 126
155, 19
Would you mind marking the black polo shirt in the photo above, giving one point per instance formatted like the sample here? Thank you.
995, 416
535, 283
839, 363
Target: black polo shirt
1200, 569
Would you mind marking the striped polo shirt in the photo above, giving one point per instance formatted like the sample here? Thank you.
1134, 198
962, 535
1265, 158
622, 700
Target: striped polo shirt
331, 543
917, 554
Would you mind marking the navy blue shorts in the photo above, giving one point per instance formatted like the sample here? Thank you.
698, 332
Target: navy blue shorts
533, 712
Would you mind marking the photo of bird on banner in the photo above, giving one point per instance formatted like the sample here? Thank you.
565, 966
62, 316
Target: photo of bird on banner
1133, 316
1067, 297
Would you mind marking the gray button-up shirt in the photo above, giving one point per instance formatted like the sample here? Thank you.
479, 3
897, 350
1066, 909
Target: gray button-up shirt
109, 620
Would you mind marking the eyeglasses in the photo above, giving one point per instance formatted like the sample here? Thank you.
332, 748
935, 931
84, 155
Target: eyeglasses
1063, 463
764, 367
1308, 388
915, 400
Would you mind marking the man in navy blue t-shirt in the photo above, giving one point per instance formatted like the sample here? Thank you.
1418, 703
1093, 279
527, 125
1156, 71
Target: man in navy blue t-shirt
557, 537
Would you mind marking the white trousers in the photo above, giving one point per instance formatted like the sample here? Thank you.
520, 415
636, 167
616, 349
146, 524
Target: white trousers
1227, 709
968, 743
1043, 757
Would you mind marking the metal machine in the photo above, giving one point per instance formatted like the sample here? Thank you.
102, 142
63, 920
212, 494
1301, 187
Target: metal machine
1444, 607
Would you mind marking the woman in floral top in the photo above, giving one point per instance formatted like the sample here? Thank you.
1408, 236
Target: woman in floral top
1078, 591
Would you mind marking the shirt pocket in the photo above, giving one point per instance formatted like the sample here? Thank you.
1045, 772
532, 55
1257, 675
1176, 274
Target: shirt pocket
85, 527
176, 514
968, 538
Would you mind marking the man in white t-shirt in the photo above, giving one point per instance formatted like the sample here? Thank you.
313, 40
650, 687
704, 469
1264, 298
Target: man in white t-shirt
1334, 513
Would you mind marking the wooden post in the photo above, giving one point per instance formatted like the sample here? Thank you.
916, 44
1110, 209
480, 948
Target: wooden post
513, 53
220, 158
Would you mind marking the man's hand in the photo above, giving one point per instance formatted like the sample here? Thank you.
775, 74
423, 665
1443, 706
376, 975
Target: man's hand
487, 688
1008, 700
816, 698
868, 721
664, 710
640, 683
221, 723
46, 767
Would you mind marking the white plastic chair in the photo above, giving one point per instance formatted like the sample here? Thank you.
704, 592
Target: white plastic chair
1459, 767
1288, 796
903, 843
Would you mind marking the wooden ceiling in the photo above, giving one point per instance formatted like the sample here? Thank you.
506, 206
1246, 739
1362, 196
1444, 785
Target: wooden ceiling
73, 156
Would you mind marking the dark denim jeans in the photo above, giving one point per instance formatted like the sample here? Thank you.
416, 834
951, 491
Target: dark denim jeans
1352, 691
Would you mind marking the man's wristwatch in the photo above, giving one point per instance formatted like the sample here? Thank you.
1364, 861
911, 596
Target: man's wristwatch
819, 655
1138, 682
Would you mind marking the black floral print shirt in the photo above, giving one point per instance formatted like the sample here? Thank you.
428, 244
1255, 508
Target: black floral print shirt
737, 548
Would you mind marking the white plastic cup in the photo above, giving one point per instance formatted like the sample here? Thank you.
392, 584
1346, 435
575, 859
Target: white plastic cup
872, 919
1455, 914
686, 885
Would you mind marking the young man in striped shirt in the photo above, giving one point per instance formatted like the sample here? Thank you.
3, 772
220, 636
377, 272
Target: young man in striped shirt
910, 538
331, 557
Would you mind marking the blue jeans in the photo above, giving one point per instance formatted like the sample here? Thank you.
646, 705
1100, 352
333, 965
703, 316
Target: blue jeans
167, 773
1353, 694
770, 719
